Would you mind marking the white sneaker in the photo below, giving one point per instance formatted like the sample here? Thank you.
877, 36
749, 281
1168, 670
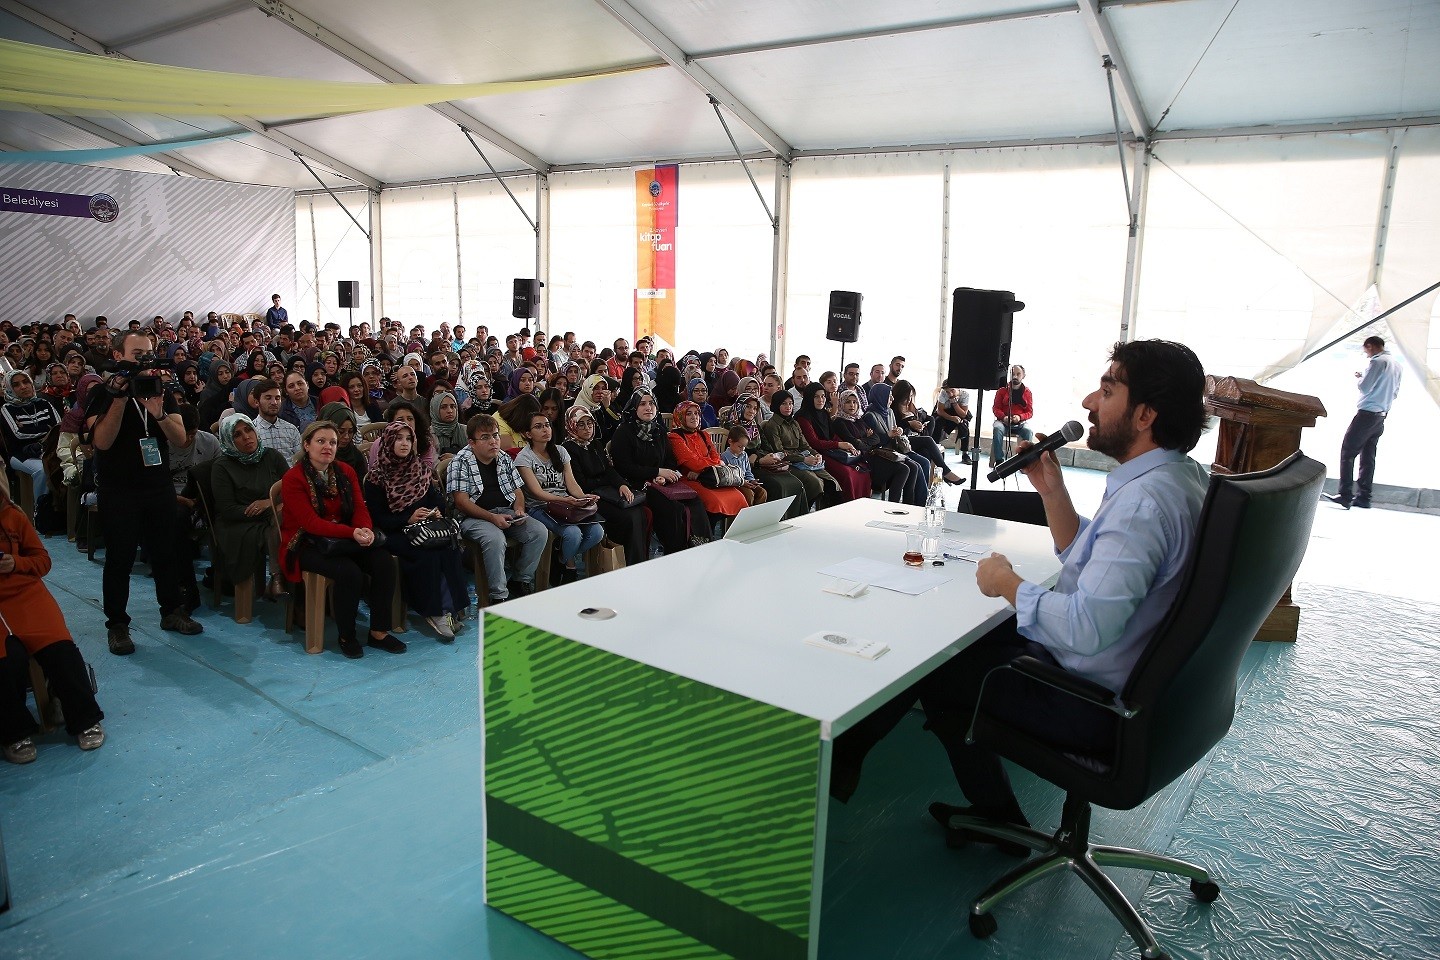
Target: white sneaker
441, 626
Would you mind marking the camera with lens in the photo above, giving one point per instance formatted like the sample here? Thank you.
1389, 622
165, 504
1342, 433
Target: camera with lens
142, 379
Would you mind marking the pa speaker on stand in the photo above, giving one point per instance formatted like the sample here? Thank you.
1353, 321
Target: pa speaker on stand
842, 323
981, 322
525, 303
349, 297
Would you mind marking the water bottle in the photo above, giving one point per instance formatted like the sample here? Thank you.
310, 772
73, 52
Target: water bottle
933, 526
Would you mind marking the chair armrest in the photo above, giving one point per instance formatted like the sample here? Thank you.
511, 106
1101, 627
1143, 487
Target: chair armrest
1069, 683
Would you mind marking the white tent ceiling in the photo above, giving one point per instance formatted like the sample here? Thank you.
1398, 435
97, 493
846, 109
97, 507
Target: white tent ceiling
794, 77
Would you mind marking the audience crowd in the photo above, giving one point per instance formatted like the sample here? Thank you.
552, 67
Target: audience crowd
375, 457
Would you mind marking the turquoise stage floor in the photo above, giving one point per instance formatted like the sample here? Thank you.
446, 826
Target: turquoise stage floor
252, 801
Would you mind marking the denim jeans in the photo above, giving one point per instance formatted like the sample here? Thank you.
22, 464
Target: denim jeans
531, 537
574, 538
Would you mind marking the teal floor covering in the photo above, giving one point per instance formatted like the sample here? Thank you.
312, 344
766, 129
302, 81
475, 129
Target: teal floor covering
254, 801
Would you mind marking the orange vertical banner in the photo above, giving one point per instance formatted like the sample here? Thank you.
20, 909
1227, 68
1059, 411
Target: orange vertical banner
657, 212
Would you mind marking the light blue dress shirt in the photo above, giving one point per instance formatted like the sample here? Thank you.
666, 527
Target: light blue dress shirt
1121, 572
1380, 384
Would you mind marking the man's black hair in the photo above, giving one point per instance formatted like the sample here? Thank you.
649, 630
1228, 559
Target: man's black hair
1168, 378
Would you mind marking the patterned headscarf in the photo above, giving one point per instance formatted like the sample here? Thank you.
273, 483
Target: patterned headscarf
677, 419
646, 432
227, 439
840, 404
404, 479
752, 427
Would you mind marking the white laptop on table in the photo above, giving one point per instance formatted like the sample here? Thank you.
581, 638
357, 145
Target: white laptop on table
760, 521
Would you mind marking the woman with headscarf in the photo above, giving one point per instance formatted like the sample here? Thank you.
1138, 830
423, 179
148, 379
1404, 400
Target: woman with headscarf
419, 422
24, 421
445, 425
522, 382
317, 378
573, 374
642, 455
725, 388
781, 434
69, 451
707, 368
35, 619
695, 453
347, 429
400, 490
631, 379
747, 386
58, 389
322, 499
216, 395
880, 419
892, 475
482, 396
917, 429
699, 394
842, 458
772, 470
596, 396
619, 504
240, 482
188, 385
667, 387
255, 365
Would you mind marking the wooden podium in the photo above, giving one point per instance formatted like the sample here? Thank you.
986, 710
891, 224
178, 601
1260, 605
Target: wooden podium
1259, 427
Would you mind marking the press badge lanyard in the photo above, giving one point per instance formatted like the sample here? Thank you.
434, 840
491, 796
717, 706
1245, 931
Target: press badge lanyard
149, 446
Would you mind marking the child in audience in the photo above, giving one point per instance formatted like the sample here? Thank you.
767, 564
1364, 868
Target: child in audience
734, 454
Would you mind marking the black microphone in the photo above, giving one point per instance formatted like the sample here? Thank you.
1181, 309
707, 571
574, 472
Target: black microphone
1069, 433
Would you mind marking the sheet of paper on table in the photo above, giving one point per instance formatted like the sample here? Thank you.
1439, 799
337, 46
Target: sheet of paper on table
892, 525
964, 549
887, 575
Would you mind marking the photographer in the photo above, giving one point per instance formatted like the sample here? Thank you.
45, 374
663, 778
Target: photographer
132, 432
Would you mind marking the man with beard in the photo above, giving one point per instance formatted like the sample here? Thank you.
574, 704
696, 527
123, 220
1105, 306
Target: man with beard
1121, 572
1013, 407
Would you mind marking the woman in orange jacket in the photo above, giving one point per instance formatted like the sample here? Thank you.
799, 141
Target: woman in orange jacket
694, 454
36, 631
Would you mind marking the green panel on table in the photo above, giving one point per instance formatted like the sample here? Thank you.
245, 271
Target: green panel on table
594, 762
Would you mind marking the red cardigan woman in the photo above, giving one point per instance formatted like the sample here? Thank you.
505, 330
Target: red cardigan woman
321, 499
694, 452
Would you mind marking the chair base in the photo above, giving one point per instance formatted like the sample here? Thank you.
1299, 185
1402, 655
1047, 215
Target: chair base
1070, 848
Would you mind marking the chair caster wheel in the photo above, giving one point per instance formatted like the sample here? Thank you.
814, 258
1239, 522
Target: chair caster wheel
982, 925
1205, 891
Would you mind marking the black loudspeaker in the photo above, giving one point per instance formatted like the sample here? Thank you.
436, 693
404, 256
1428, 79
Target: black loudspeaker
526, 301
843, 323
349, 294
980, 326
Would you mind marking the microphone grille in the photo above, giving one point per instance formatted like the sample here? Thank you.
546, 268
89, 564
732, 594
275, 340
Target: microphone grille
1072, 431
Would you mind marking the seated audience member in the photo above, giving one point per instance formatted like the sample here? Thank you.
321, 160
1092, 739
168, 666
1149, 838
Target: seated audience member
24, 421
361, 404
445, 427
216, 395
201, 448
552, 406
275, 433
880, 420
348, 433
735, 455
399, 491
36, 630
667, 387
481, 398
323, 503
512, 417
642, 456
255, 365
917, 428
842, 458
550, 485
725, 387
781, 434
770, 468
299, 407
407, 384
631, 379
619, 505
1121, 573
891, 474
1013, 407
522, 381
952, 415
595, 395
488, 498
240, 482
72, 448
699, 394
695, 454
413, 415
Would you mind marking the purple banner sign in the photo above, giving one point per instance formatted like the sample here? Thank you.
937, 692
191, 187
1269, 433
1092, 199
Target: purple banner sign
101, 206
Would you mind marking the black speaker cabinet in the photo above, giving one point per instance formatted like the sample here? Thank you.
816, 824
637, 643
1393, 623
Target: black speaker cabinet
980, 326
843, 322
526, 301
349, 294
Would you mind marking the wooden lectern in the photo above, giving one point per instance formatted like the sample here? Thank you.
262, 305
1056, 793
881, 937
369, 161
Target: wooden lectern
1259, 427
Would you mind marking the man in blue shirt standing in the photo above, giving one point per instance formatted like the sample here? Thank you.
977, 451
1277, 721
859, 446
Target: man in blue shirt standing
1121, 573
276, 317
1378, 386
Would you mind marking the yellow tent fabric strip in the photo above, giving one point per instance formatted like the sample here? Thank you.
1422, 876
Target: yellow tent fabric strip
78, 83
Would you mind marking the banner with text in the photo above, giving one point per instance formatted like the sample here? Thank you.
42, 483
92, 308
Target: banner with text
657, 212
98, 206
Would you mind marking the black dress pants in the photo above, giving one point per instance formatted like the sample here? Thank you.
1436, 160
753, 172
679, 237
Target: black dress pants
349, 574
69, 681
949, 696
1361, 439
130, 518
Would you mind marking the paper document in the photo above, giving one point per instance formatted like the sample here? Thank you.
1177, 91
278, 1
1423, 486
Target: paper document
833, 640
888, 576
963, 550
892, 525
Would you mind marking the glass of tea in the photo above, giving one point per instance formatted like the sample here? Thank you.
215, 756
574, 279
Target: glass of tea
914, 550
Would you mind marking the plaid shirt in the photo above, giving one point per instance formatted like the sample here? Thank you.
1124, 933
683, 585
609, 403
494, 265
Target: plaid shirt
463, 476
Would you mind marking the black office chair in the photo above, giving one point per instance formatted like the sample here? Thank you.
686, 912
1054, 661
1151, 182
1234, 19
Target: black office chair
1178, 702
